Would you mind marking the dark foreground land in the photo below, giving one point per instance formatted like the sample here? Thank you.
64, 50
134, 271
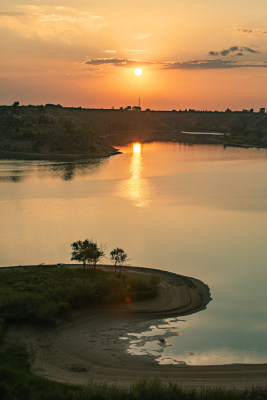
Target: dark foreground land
67, 133
17, 383
84, 348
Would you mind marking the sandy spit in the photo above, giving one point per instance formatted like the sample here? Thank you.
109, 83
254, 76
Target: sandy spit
88, 347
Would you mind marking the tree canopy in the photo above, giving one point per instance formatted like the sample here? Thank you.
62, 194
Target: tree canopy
118, 257
87, 252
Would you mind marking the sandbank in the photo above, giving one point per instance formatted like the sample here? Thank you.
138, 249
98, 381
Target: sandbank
88, 347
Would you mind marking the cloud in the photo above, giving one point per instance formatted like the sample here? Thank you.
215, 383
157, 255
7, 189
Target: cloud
11, 13
210, 64
142, 36
253, 31
199, 64
101, 61
116, 62
51, 22
249, 50
111, 51
234, 50
135, 50
180, 65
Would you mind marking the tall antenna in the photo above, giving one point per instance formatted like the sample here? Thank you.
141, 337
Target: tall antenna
139, 102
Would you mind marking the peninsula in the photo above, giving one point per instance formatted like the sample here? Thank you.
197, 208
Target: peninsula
88, 347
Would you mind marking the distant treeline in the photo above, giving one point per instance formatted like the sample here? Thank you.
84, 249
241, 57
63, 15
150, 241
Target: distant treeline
138, 108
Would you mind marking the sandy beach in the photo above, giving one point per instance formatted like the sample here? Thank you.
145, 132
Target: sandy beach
88, 347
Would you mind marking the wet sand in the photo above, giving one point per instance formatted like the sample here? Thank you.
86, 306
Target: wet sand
88, 347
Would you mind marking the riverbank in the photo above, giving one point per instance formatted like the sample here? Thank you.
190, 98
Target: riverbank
58, 133
88, 347
17, 155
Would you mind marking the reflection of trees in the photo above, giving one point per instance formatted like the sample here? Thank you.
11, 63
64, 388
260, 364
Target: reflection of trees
11, 178
11, 172
69, 170
22, 170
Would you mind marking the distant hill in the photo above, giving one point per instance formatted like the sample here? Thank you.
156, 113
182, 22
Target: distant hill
58, 132
50, 132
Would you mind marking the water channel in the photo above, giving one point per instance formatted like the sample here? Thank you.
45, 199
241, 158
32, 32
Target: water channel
196, 210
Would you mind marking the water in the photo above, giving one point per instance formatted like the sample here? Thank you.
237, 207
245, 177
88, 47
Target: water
196, 210
205, 133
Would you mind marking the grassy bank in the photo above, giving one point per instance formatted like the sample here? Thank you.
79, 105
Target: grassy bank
39, 295
17, 383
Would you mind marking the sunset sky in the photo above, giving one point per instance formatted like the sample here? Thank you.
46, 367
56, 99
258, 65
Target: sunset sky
202, 54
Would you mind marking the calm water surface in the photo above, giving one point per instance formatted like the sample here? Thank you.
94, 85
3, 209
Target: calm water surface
196, 210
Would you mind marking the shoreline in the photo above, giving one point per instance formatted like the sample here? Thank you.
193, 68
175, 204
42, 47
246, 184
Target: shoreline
179, 294
51, 132
88, 347
7, 155
194, 140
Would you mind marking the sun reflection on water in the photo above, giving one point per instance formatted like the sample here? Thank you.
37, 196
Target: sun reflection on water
136, 148
136, 162
136, 187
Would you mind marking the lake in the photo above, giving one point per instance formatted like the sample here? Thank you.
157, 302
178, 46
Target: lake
197, 210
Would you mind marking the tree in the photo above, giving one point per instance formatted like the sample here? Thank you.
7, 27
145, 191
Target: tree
87, 252
94, 253
15, 106
118, 257
78, 251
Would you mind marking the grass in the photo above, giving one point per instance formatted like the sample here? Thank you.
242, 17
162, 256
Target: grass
17, 383
39, 295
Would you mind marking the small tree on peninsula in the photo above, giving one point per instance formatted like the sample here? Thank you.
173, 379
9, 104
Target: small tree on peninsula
87, 252
118, 257
78, 251
95, 253
15, 106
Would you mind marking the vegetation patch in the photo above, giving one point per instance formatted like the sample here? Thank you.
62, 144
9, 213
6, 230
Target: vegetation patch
55, 132
38, 295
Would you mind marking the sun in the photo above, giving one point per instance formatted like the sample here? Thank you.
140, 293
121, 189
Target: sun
138, 71
136, 148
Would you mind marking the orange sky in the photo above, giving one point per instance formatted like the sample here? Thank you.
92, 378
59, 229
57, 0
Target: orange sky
195, 54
